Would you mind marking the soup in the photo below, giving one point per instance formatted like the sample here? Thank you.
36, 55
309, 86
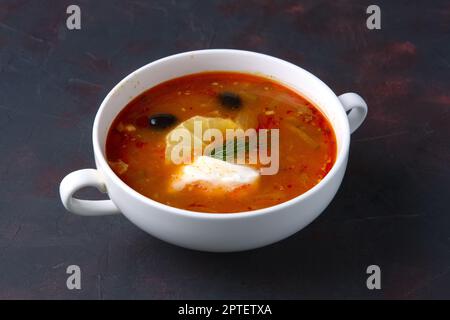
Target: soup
143, 139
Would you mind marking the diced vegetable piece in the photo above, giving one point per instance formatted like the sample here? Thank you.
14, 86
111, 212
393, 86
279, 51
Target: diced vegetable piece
130, 128
303, 135
118, 166
247, 118
248, 96
120, 127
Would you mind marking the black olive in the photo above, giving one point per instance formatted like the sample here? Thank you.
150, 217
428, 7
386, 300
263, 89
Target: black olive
161, 120
230, 100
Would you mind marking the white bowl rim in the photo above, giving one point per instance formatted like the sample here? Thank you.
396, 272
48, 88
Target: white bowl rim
340, 157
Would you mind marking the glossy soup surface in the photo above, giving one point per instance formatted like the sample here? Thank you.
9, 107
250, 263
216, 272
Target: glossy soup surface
135, 149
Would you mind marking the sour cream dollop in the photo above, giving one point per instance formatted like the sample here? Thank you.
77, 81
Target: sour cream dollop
211, 173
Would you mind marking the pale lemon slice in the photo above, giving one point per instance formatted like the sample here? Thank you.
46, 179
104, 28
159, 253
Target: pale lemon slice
196, 137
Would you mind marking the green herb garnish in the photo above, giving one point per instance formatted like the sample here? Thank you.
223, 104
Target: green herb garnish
231, 149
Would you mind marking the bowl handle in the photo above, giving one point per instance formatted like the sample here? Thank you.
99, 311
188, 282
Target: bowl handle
356, 109
77, 180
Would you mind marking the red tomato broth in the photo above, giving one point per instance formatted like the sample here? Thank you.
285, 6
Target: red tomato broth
307, 145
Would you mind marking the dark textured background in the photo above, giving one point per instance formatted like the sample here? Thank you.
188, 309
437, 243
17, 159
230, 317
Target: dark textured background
392, 209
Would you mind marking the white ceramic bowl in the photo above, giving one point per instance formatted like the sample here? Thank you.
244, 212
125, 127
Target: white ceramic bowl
205, 231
